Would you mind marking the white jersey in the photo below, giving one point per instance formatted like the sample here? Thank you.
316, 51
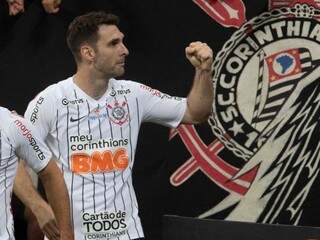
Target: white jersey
95, 143
17, 140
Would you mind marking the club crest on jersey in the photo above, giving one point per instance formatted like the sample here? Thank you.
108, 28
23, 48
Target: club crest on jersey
257, 72
118, 112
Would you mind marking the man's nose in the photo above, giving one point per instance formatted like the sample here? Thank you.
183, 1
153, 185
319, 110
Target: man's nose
125, 49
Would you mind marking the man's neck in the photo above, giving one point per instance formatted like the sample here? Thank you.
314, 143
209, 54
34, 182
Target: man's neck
92, 85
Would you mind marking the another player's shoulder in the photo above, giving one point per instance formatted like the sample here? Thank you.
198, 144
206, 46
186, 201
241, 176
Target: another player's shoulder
6, 124
10, 120
5, 116
4, 111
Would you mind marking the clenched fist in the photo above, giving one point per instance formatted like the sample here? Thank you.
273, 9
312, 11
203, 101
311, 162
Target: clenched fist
200, 55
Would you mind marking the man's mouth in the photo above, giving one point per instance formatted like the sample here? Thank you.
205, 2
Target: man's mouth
122, 63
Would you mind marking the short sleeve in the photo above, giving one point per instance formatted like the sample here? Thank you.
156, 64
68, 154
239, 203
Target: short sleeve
160, 108
39, 112
29, 145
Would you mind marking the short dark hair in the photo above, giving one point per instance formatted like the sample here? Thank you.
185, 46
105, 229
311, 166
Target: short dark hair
85, 28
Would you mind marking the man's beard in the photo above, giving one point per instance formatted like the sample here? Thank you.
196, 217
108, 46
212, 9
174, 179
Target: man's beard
108, 73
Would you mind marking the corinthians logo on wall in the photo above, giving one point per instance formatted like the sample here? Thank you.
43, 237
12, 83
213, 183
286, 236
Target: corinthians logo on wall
266, 113
258, 69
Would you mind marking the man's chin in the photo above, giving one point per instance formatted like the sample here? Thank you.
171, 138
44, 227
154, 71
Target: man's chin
116, 73
119, 72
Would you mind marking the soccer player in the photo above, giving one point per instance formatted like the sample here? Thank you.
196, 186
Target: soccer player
91, 123
18, 139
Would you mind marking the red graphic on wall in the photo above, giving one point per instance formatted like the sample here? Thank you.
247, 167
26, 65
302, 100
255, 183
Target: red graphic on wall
206, 159
229, 13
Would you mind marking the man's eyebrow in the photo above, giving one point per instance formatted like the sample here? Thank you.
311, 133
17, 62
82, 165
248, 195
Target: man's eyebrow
116, 39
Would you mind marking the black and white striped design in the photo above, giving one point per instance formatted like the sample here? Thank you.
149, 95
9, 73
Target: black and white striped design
259, 87
279, 90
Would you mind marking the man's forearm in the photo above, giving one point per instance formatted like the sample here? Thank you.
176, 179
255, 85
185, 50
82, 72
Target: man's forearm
24, 189
57, 196
200, 98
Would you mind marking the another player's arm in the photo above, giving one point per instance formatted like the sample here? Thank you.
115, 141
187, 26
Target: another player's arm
200, 97
57, 194
49, 173
25, 191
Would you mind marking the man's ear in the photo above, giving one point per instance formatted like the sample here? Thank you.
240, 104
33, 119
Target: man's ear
87, 52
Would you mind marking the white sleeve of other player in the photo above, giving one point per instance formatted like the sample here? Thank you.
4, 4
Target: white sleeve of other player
160, 108
29, 145
39, 113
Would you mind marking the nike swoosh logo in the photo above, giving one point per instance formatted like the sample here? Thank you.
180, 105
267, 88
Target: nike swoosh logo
76, 119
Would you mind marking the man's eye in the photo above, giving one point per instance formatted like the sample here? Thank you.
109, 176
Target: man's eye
113, 43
